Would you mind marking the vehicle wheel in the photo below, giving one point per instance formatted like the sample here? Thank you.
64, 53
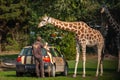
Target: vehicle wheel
19, 74
53, 71
65, 73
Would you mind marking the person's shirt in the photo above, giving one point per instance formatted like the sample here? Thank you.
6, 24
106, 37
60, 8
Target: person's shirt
37, 49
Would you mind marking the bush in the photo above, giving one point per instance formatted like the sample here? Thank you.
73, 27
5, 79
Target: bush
68, 46
16, 43
12, 45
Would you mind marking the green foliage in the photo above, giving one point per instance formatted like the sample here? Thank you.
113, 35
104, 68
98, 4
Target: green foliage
20, 40
68, 46
19, 20
13, 45
14, 17
13, 10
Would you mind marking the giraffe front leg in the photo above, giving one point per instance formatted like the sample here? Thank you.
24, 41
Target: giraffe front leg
77, 60
101, 67
84, 59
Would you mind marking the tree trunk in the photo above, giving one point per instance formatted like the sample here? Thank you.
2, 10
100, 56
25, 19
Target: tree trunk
0, 42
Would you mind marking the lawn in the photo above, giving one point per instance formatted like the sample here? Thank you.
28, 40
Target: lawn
110, 73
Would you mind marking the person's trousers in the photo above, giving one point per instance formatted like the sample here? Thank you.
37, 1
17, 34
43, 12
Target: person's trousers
39, 67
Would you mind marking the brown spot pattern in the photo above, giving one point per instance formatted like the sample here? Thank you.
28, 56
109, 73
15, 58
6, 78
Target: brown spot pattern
82, 30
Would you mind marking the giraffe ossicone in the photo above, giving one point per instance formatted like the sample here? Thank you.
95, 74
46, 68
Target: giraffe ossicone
85, 36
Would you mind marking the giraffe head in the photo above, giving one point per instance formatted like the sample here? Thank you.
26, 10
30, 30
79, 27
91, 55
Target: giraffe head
103, 9
44, 21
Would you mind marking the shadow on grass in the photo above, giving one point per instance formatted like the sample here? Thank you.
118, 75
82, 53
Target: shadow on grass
11, 75
92, 69
31, 75
109, 74
24, 75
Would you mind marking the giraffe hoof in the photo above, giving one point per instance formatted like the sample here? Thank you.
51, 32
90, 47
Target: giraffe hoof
100, 74
96, 75
83, 76
74, 75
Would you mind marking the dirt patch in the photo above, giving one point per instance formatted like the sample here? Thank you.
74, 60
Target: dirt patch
7, 64
110, 57
6, 61
9, 52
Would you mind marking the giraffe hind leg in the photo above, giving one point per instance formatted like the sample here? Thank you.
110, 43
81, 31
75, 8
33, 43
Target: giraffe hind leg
118, 61
118, 45
99, 64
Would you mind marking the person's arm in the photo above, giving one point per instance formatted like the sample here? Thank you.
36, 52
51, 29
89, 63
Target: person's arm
48, 52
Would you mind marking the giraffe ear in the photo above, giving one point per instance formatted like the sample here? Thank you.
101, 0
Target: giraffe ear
39, 19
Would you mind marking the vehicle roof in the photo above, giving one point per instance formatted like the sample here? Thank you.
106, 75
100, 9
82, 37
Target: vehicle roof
31, 47
28, 47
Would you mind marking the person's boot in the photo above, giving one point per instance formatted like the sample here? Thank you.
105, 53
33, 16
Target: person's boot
38, 76
42, 75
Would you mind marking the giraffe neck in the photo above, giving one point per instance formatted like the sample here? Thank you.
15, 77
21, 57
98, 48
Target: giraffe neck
114, 24
69, 26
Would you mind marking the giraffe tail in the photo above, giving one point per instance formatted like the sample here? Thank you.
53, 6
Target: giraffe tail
103, 52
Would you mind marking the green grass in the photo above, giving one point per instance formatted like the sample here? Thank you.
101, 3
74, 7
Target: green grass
109, 72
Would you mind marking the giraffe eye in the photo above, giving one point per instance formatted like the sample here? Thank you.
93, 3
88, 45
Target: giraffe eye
44, 20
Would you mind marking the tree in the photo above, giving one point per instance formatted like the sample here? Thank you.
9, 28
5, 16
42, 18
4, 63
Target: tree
19, 19
14, 15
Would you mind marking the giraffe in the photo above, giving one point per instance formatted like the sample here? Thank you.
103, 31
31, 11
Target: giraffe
116, 27
85, 36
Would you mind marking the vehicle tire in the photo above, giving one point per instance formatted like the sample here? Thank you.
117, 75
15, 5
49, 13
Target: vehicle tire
33, 74
65, 73
19, 74
53, 71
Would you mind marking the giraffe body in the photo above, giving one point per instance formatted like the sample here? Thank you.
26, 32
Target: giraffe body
116, 27
85, 36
